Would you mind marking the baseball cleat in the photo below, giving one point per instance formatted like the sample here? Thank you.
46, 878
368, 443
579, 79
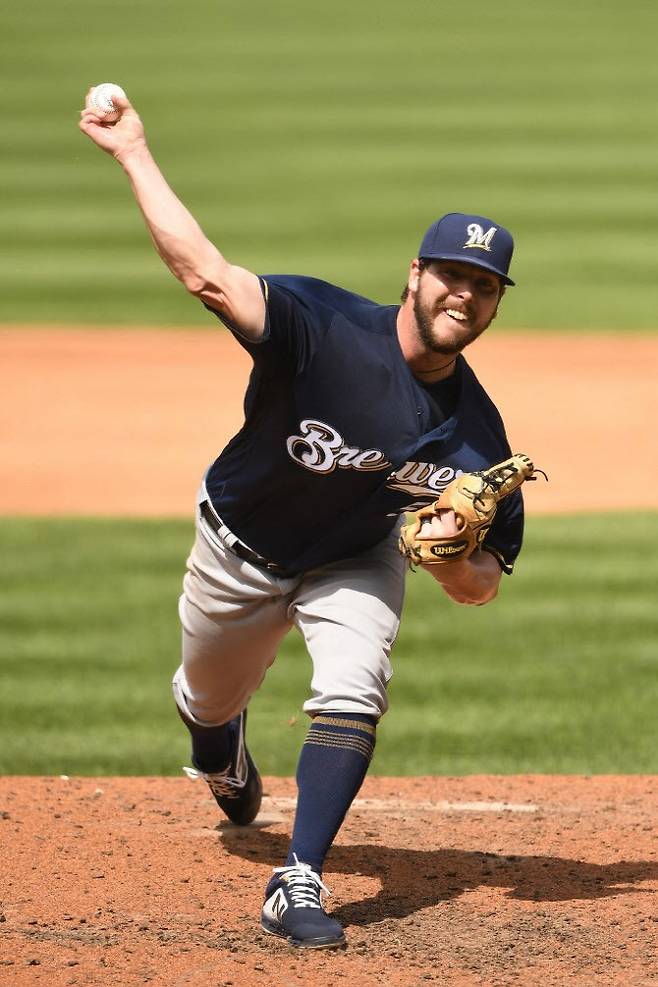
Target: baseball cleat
238, 789
293, 909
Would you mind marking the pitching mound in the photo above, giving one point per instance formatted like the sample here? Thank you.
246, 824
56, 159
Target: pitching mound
490, 881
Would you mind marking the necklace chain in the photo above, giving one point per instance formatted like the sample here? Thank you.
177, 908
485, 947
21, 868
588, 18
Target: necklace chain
419, 373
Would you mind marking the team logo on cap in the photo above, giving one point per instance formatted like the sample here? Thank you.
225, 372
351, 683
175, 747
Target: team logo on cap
478, 238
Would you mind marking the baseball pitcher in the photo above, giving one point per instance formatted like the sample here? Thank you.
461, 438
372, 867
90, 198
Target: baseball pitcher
369, 447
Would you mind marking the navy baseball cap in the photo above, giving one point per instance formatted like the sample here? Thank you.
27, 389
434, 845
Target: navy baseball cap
472, 240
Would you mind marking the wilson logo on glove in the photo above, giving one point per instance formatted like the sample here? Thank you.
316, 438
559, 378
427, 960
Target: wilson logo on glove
454, 548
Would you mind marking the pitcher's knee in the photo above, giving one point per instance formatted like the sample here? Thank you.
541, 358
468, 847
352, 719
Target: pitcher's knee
207, 710
356, 685
373, 703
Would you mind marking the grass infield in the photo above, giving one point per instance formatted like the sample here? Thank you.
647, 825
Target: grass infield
557, 675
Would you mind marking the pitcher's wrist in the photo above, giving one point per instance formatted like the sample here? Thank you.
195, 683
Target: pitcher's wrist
133, 155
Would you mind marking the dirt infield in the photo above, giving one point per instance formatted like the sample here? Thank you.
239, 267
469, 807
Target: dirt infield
469, 881
125, 422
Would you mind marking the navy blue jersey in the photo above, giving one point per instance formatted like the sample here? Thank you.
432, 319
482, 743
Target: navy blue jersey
339, 436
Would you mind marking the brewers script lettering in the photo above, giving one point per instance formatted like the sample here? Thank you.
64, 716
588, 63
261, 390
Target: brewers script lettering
321, 448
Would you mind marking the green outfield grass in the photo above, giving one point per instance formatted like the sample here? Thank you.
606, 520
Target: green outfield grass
323, 139
558, 675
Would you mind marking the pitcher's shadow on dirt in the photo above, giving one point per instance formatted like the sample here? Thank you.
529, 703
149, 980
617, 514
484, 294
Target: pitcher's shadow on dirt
413, 879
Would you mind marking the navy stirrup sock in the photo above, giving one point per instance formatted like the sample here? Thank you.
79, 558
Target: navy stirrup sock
332, 765
211, 749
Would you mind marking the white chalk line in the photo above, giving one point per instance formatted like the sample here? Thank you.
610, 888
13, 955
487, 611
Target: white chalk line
402, 805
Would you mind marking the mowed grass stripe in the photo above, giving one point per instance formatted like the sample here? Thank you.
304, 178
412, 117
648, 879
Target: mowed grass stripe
323, 137
558, 675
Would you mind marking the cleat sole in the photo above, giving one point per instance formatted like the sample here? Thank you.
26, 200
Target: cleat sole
276, 930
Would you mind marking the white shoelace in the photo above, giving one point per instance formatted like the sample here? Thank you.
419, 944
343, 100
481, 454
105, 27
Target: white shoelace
303, 884
220, 782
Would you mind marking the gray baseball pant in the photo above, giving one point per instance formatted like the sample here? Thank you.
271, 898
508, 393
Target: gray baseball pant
234, 616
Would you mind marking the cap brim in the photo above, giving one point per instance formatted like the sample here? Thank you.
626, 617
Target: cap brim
474, 262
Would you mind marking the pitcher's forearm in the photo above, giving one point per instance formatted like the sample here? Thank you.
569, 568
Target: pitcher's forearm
473, 581
177, 237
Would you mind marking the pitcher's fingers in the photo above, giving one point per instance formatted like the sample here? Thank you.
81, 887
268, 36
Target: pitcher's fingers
90, 124
444, 525
451, 519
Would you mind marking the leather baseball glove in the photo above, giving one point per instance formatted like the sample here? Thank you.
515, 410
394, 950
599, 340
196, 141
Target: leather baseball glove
474, 497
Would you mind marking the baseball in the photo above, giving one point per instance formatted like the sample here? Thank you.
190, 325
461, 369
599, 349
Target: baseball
100, 100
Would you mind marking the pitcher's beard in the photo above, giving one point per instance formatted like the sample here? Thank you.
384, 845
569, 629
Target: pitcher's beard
425, 317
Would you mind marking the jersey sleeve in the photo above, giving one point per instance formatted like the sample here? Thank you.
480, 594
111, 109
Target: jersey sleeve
296, 320
505, 536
